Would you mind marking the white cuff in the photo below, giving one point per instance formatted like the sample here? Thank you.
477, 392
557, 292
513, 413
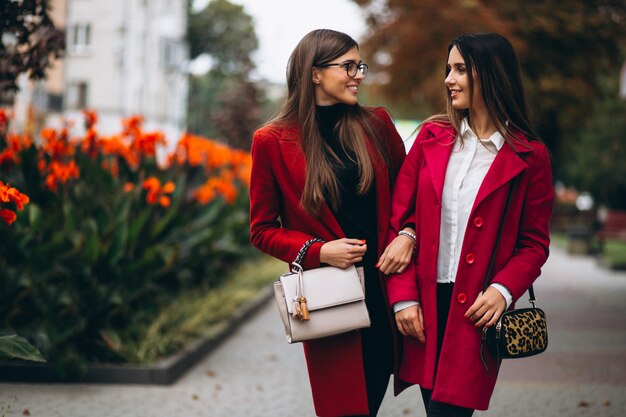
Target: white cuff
505, 293
401, 305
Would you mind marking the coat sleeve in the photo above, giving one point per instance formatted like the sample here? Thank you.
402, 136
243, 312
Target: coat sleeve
403, 286
266, 231
533, 238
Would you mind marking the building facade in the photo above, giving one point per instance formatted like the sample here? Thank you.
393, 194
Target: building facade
123, 57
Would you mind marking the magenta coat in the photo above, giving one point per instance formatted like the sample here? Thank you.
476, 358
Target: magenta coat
461, 378
279, 226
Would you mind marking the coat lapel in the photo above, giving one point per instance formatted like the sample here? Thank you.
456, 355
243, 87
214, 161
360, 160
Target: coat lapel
504, 168
437, 154
296, 166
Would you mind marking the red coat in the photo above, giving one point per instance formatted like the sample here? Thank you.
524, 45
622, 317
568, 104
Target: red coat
279, 227
461, 379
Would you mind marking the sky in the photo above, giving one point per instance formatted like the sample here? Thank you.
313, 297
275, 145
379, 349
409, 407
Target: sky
280, 24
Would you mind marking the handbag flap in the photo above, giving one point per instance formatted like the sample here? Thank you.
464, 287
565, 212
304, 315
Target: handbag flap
324, 287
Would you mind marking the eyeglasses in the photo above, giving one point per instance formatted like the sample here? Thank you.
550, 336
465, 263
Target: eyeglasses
351, 68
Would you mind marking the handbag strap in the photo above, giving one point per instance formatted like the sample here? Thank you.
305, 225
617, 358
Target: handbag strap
305, 247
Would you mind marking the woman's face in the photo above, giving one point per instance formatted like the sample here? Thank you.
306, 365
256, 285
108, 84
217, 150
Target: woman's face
333, 85
457, 82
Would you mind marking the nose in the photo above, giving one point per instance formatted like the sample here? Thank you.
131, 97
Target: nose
359, 76
449, 80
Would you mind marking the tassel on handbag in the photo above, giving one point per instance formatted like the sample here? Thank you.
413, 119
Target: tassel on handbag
304, 310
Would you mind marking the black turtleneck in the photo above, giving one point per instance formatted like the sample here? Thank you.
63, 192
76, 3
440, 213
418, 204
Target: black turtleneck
355, 213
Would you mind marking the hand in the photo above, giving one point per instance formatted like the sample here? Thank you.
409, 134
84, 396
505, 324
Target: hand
487, 308
343, 252
410, 322
396, 255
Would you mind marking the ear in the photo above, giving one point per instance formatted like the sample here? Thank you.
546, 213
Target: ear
316, 76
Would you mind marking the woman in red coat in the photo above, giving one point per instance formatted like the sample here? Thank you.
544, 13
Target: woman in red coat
453, 187
323, 168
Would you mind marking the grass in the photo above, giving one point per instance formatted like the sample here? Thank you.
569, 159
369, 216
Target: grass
614, 254
195, 313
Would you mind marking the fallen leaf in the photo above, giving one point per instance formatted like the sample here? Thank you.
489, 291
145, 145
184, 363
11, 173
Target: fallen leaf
583, 403
211, 373
606, 403
26, 412
406, 411
195, 397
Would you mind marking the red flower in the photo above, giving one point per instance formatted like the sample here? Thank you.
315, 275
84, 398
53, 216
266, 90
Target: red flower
7, 216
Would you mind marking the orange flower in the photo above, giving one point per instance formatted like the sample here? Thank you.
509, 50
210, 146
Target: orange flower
146, 143
91, 118
17, 143
222, 185
8, 157
128, 187
60, 173
10, 194
89, 143
156, 193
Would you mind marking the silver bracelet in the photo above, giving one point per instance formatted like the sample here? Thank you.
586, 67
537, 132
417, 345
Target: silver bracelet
408, 234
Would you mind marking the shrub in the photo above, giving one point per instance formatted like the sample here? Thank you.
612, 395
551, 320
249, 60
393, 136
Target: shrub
110, 233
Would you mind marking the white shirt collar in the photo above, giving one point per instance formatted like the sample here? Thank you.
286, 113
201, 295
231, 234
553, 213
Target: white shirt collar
496, 138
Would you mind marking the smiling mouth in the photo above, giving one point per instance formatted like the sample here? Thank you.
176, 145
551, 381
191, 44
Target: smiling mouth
353, 88
454, 93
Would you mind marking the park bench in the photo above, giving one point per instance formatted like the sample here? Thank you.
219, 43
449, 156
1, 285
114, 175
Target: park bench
613, 227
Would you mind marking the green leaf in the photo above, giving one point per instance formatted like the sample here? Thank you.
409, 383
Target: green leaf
16, 347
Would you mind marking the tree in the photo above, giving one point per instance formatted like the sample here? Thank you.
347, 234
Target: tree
29, 41
564, 48
224, 102
597, 157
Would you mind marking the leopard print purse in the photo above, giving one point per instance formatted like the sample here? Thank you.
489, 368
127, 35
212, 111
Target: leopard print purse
518, 333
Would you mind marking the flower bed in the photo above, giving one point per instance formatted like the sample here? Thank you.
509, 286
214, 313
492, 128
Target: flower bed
108, 235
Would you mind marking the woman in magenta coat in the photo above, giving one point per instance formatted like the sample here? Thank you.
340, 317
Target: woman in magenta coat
324, 169
453, 187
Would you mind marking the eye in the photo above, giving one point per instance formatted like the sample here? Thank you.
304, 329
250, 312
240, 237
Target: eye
350, 66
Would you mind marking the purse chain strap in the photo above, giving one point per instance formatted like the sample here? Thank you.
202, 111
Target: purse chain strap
305, 247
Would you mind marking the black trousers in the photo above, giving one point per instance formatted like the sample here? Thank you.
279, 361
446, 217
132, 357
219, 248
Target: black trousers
436, 408
376, 343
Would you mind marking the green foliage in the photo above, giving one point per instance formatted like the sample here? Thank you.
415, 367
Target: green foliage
15, 347
597, 157
192, 313
224, 101
564, 48
89, 257
28, 41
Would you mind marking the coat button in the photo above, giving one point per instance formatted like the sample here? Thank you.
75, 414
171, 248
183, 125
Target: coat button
461, 298
470, 258
478, 222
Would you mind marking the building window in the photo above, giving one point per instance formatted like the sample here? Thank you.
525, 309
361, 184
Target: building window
173, 54
79, 37
77, 95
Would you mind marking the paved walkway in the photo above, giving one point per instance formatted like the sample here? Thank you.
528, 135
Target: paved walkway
256, 374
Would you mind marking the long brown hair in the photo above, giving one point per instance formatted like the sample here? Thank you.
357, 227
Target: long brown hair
320, 47
492, 60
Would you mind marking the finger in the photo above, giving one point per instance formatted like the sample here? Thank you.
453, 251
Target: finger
351, 241
483, 319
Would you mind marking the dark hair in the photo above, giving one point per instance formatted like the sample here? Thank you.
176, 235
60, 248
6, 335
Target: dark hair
320, 47
491, 59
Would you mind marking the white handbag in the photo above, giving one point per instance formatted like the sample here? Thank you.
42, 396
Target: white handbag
321, 302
